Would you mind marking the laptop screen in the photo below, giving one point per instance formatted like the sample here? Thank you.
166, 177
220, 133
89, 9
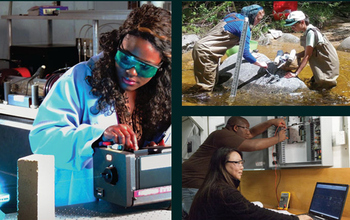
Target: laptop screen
328, 200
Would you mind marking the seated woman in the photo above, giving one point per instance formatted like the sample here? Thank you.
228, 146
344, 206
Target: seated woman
122, 95
218, 197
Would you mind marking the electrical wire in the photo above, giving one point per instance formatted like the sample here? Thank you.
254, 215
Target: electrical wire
81, 29
109, 24
100, 28
273, 149
276, 184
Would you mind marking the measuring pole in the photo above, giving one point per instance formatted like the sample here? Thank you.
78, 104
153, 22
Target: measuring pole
239, 58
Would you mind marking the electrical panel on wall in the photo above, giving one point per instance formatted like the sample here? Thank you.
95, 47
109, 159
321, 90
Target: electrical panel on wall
309, 143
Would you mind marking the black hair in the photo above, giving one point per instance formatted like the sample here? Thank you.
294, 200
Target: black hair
216, 175
154, 99
235, 120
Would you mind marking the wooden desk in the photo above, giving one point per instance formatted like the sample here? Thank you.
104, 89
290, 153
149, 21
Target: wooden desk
298, 211
260, 186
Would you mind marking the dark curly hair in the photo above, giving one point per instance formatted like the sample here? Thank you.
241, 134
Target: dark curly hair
154, 99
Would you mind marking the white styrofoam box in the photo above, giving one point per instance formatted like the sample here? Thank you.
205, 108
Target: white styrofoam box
36, 187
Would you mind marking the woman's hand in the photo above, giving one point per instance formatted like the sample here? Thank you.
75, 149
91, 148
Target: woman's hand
304, 217
121, 134
261, 64
290, 75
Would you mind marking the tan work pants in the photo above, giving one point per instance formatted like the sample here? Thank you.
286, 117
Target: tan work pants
207, 53
324, 64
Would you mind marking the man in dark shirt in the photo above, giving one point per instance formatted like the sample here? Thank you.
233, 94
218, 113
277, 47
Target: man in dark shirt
235, 134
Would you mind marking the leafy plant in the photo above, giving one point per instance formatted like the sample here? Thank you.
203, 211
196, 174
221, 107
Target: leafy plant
200, 17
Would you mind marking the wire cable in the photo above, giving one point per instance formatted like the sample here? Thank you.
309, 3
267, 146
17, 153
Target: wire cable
276, 185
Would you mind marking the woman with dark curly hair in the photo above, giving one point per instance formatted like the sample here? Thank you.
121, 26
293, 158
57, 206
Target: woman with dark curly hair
122, 95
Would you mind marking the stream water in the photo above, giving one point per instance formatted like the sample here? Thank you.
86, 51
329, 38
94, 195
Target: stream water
337, 96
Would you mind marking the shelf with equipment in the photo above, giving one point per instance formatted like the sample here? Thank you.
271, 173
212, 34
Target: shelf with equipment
94, 15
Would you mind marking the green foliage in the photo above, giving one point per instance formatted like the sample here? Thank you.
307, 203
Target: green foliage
200, 17
279, 25
319, 12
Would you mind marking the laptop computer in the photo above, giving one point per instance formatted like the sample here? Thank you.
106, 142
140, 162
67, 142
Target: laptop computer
328, 201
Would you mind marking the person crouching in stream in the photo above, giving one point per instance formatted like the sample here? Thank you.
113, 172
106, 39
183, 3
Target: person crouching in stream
319, 52
226, 34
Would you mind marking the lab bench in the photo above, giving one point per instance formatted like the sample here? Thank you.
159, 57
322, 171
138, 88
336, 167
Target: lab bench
17, 122
105, 210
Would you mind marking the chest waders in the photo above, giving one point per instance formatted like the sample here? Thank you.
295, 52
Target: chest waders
324, 62
207, 53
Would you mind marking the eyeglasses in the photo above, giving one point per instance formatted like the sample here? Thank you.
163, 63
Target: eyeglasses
127, 61
241, 162
295, 24
243, 127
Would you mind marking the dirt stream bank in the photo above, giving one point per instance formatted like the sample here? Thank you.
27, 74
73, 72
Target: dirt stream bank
337, 30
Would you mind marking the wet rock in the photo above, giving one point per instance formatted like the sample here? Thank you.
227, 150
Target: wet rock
254, 77
269, 36
272, 35
188, 42
289, 38
275, 33
265, 40
344, 45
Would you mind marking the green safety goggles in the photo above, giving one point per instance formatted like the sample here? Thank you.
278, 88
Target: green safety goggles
127, 61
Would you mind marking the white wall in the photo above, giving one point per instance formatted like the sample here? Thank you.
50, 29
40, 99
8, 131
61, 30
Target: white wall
204, 125
214, 122
193, 129
340, 144
27, 32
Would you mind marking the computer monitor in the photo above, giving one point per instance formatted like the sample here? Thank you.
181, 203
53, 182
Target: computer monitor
328, 200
